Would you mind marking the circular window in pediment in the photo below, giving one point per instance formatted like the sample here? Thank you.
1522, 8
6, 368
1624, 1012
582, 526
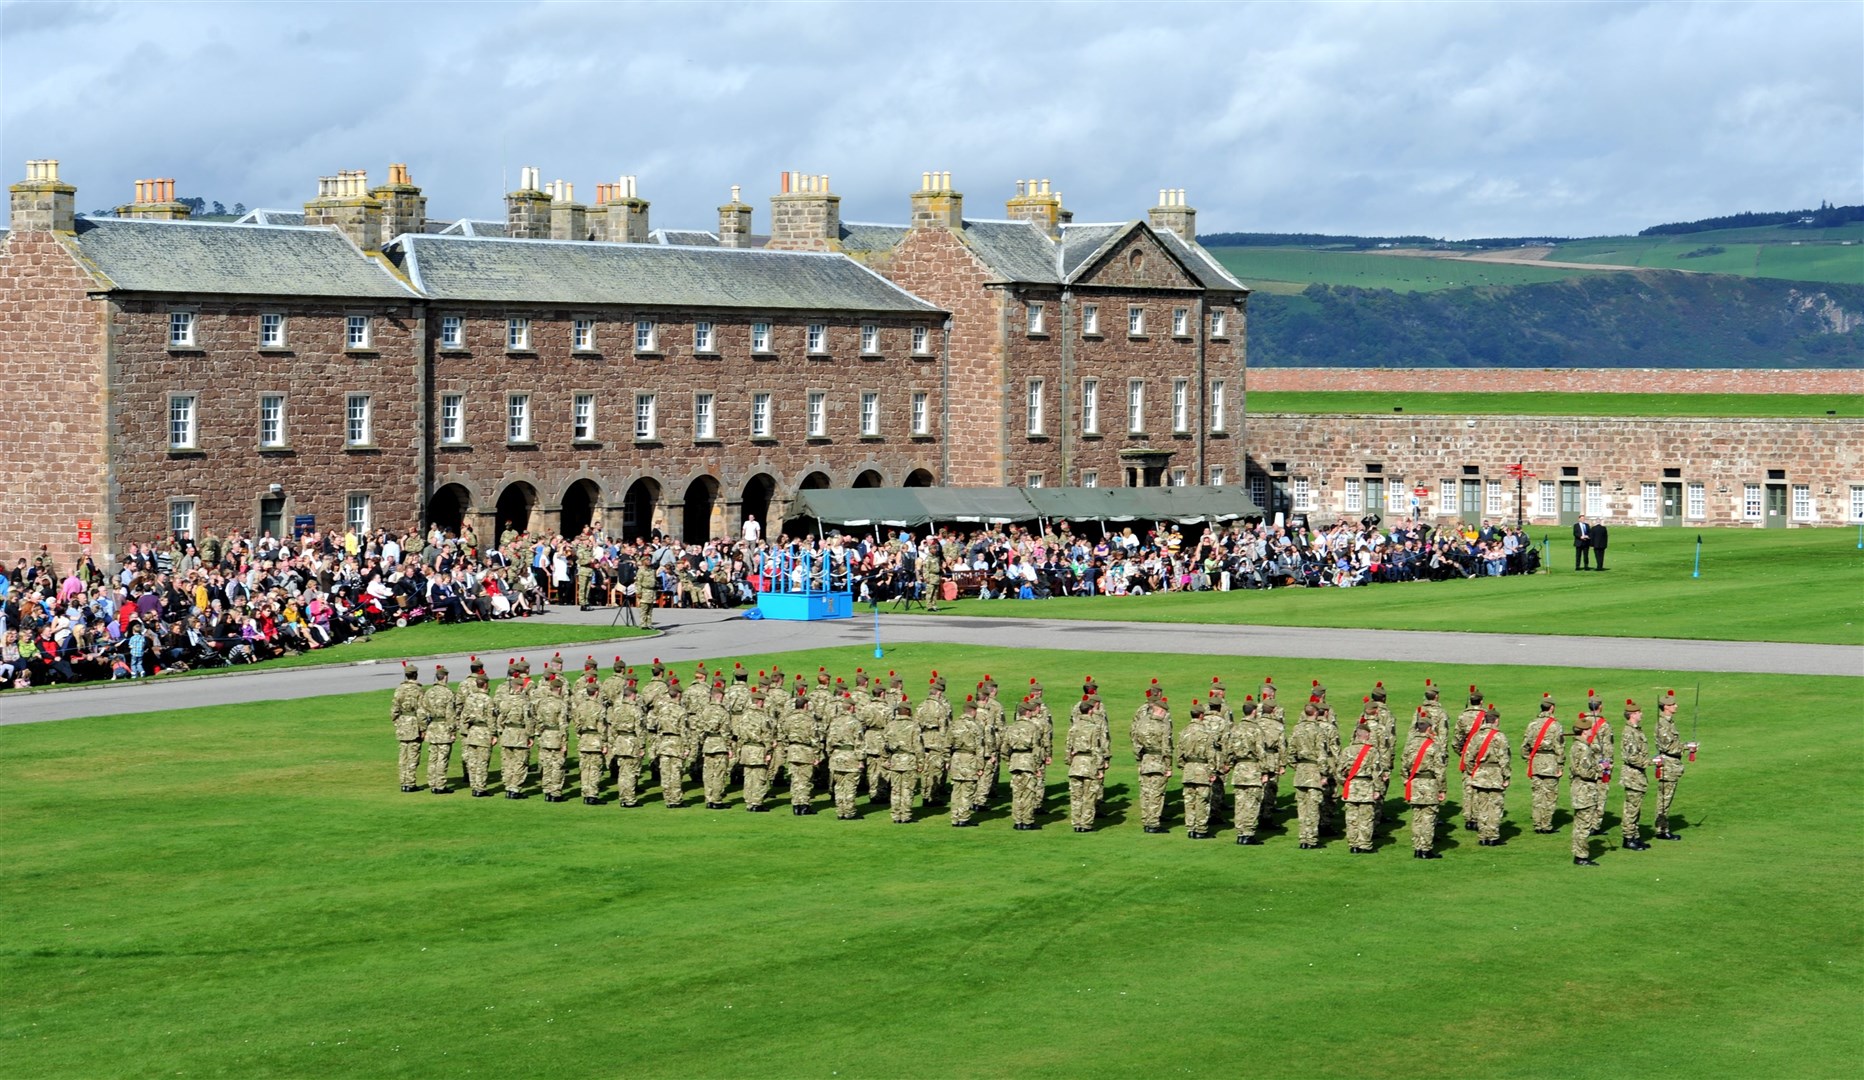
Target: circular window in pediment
1137, 261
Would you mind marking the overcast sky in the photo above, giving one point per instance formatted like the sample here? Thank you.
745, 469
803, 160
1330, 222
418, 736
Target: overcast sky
1451, 120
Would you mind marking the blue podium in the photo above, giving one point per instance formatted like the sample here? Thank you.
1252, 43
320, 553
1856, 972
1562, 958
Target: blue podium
812, 601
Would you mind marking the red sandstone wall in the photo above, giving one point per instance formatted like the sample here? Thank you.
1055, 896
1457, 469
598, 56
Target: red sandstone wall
934, 265
1545, 380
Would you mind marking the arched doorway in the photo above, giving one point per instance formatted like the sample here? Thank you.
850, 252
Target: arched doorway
813, 481
449, 506
919, 478
579, 505
758, 491
703, 517
637, 509
515, 506
868, 479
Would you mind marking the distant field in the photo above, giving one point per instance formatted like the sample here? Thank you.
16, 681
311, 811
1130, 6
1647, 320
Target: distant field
1290, 270
1539, 404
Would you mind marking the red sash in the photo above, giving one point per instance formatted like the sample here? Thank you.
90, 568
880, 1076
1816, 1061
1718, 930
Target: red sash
1596, 725
1416, 763
1462, 755
1483, 750
1537, 741
1346, 788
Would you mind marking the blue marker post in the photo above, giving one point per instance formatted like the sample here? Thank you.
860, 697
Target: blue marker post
1698, 571
1861, 536
877, 651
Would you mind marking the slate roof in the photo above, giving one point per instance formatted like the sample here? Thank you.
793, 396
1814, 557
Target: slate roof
1080, 243
683, 237
1201, 263
863, 237
263, 216
201, 257
474, 227
1015, 250
651, 275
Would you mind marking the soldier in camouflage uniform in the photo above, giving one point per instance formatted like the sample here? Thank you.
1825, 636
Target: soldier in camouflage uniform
666, 733
1589, 776
590, 721
1467, 724
901, 740
626, 736
845, 740
1217, 716
712, 730
476, 717
968, 754
440, 708
656, 690
1152, 753
1045, 725
755, 732
405, 712
1671, 750
1246, 760
931, 569
1359, 784
1197, 756
585, 569
802, 752
1386, 730
990, 717
1089, 749
511, 714
1487, 775
1272, 721
550, 718
873, 714
1634, 777
1544, 750
646, 591
1022, 745
1439, 719
1425, 761
934, 719
1308, 750
614, 684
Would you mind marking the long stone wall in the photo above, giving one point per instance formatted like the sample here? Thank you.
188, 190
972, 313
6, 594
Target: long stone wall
1549, 380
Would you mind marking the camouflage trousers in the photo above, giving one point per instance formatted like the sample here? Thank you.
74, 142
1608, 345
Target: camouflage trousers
756, 784
555, 765
1470, 799
845, 785
963, 800
1546, 801
514, 766
1083, 801
673, 780
1628, 817
411, 763
1307, 806
1423, 826
582, 588
876, 777
439, 761
1248, 809
628, 779
987, 783
1271, 794
1197, 808
1152, 799
900, 785
1360, 817
1666, 792
715, 774
1218, 803
932, 788
802, 782
478, 761
591, 766
1587, 816
1485, 805
1041, 780
646, 604
1025, 799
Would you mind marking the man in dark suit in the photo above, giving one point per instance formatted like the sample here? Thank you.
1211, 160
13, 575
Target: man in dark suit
1582, 544
1599, 535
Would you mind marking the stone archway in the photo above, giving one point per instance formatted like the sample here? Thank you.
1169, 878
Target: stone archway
638, 507
579, 508
517, 505
814, 481
919, 478
702, 516
869, 478
759, 492
449, 507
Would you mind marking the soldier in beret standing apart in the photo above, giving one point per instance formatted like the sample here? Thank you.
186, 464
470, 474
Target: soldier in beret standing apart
1634, 777
405, 712
1671, 750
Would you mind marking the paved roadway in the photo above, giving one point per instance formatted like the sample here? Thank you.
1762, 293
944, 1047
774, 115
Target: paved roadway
705, 634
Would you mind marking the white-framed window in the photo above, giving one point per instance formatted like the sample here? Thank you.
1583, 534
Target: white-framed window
1493, 501
359, 420
1397, 496
1216, 324
1135, 321
1090, 319
1219, 474
1857, 502
1033, 312
517, 334
1802, 502
1219, 403
1647, 500
1446, 498
356, 332
358, 512
870, 412
702, 337
760, 415
181, 329
1180, 322
518, 418
1546, 500
1090, 406
271, 420
582, 335
183, 421
1303, 493
817, 338
181, 518
870, 339
582, 418
922, 412
646, 416
818, 414
453, 419
1695, 501
1181, 404
1032, 406
922, 340
1750, 502
1179, 477
644, 333
1595, 498
1355, 496
271, 330
1090, 478
705, 416
760, 337
1259, 490
1033, 479
452, 332
1135, 405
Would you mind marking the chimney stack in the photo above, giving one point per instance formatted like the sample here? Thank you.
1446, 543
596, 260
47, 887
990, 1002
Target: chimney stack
734, 222
155, 201
1173, 214
404, 208
805, 215
935, 204
527, 210
343, 201
620, 213
1034, 202
42, 202
568, 218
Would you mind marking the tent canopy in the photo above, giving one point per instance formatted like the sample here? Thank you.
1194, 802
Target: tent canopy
912, 507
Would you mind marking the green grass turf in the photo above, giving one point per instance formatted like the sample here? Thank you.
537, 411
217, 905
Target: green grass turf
1555, 404
1291, 269
242, 891
1802, 585
1820, 255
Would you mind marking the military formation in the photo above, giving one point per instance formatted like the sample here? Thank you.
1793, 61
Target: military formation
870, 739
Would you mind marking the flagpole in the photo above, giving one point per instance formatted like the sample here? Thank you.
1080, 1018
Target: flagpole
1698, 570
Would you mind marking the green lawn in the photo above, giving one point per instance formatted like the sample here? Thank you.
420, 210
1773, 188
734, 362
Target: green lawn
1552, 404
243, 892
1761, 585
1830, 255
1292, 269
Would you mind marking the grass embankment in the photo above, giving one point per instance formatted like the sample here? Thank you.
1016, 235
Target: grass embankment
1289, 270
1803, 585
1323, 402
241, 891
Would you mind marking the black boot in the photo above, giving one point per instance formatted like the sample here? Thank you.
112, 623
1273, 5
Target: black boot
443, 791
591, 800
410, 787
1635, 845
1577, 861
1430, 854
1666, 836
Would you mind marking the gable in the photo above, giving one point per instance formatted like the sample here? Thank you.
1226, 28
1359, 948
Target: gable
1137, 260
